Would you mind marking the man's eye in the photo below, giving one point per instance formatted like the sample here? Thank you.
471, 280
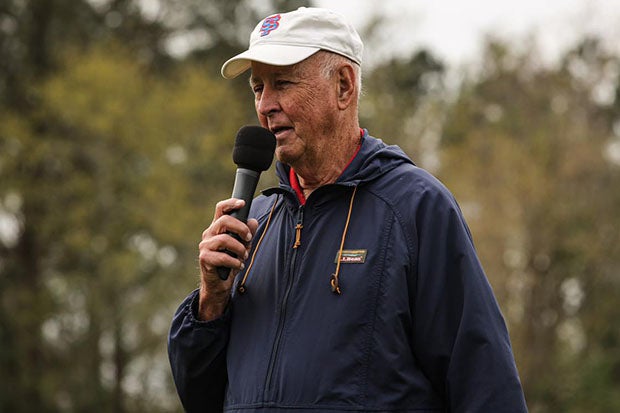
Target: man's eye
257, 89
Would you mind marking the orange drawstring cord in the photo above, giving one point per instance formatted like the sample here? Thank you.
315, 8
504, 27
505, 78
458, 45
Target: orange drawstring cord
241, 288
334, 279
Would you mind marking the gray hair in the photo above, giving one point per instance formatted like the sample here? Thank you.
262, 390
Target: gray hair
329, 62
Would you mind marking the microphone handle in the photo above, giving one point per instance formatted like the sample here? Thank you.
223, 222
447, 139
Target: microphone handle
244, 188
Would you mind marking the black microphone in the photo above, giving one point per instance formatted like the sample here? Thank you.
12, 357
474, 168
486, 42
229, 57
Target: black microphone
253, 154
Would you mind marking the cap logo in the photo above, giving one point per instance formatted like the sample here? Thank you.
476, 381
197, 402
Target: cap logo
270, 24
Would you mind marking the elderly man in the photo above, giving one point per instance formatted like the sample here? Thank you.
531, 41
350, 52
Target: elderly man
358, 288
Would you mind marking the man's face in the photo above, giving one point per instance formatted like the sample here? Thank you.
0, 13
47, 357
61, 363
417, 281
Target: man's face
298, 104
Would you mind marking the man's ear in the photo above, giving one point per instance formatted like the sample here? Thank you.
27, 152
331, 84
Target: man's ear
346, 86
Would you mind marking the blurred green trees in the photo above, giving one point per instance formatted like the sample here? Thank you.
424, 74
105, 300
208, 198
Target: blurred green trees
115, 138
529, 151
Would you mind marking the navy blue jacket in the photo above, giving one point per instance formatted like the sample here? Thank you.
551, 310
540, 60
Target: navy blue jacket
415, 327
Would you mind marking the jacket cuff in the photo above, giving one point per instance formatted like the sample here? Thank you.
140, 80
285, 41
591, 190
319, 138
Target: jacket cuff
191, 310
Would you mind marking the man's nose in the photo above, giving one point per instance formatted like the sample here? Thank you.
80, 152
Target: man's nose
268, 102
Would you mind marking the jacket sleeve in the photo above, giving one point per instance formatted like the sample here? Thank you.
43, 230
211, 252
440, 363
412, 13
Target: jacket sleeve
460, 337
197, 353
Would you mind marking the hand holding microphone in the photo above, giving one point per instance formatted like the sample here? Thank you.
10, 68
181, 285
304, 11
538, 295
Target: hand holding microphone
253, 154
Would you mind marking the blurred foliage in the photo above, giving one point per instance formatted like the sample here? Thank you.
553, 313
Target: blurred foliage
528, 151
402, 102
110, 189
115, 138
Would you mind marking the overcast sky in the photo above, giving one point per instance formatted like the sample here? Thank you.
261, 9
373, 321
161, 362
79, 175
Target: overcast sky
454, 29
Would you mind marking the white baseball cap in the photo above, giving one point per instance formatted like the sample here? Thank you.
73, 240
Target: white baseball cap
288, 38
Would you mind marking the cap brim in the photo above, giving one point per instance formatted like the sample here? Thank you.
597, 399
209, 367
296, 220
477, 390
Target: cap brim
272, 54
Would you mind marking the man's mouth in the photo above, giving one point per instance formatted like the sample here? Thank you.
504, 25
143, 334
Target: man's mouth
280, 130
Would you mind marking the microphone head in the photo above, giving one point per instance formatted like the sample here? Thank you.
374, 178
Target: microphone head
254, 148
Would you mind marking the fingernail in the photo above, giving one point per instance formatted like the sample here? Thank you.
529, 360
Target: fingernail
242, 266
246, 255
248, 237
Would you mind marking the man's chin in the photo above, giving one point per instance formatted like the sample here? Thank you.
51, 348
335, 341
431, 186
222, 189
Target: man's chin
285, 156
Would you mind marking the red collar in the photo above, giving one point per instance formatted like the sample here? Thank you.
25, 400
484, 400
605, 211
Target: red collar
292, 176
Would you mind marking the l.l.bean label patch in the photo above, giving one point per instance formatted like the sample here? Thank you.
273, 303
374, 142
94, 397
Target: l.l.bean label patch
351, 257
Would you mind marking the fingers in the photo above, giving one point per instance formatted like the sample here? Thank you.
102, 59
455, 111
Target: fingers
227, 206
212, 252
222, 222
216, 239
253, 225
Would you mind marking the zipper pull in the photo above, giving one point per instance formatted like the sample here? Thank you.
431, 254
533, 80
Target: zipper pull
298, 227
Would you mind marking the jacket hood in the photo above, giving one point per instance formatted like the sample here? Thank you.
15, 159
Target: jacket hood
373, 160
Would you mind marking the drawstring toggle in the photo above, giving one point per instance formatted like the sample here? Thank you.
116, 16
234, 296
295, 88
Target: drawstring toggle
334, 283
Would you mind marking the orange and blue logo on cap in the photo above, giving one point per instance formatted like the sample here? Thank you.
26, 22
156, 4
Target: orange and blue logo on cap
269, 24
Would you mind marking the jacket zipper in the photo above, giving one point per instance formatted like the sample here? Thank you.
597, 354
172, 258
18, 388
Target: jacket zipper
289, 287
